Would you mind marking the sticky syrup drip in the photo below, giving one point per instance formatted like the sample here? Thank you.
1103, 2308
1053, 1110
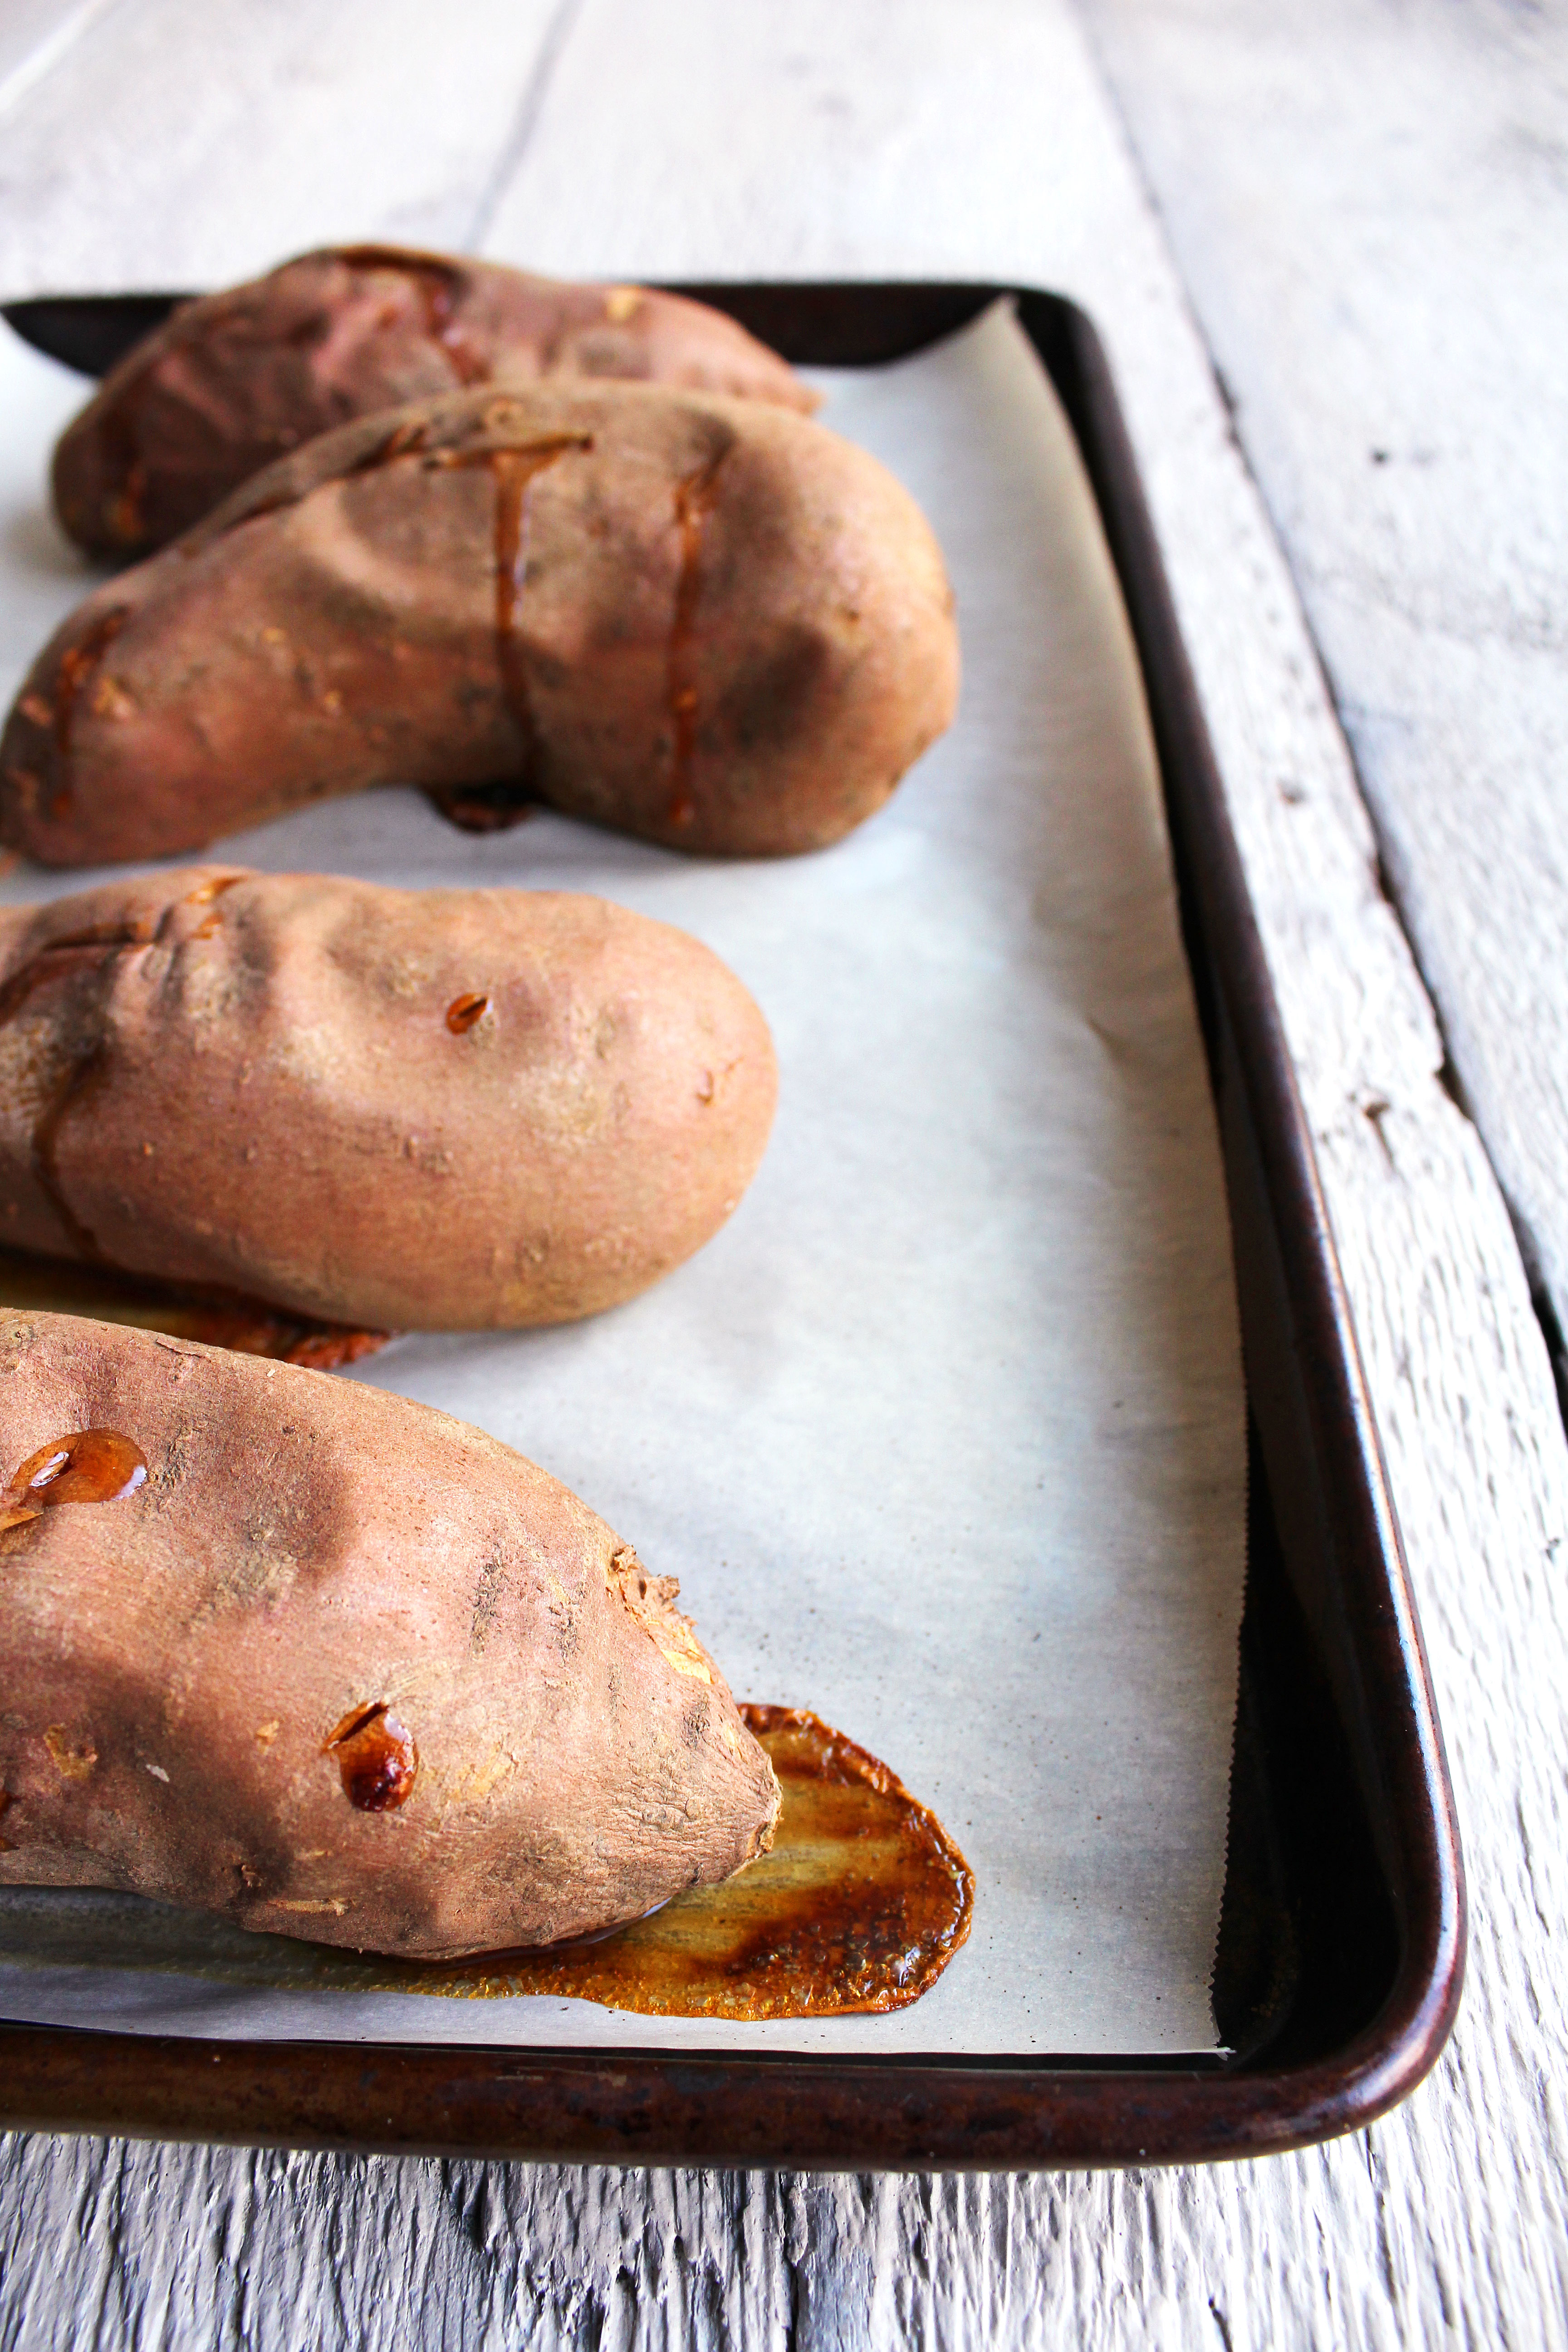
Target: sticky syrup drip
693, 497
376, 1758
859, 1907
491, 808
92, 1465
78, 664
463, 1012
437, 284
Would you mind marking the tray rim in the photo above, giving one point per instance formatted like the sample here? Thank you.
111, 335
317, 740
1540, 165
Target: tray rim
819, 2112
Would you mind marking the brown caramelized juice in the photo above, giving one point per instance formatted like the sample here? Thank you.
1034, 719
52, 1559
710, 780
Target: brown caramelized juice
860, 1905
90, 1466
693, 496
56, 1287
494, 807
377, 1759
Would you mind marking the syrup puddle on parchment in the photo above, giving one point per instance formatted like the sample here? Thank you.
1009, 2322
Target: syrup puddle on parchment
859, 1907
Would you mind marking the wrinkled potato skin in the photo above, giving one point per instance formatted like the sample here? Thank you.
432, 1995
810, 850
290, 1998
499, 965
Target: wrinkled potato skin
250, 1082
236, 380
174, 1662
705, 622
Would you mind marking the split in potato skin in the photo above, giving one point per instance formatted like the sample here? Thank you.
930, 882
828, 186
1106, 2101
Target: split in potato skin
709, 623
386, 1109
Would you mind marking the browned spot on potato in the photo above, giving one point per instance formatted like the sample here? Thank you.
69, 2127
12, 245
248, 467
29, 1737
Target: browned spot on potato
376, 1757
73, 1763
621, 303
78, 664
93, 1466
463, 1011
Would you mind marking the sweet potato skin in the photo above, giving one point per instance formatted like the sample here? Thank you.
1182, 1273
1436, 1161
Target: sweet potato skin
438, 1110
236, 379
709, 623
176, 1662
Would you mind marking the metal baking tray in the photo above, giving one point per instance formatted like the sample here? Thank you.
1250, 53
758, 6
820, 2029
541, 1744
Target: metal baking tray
1342, 1930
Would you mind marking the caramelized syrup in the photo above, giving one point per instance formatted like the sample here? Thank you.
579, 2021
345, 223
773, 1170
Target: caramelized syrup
204, 895
377, 1759
212, 1317
92, 1465
491, 808
693, 497
859, 1907
463, 1011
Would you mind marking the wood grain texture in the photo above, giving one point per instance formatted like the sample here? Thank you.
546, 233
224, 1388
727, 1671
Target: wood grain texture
1380, 263
929, 139
191, 142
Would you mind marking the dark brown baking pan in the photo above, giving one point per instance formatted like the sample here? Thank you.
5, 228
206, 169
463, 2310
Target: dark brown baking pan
1343, 1934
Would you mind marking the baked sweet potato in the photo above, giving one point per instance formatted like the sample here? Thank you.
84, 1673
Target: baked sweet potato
391, 1108
236, 379
706, 622
333, 1664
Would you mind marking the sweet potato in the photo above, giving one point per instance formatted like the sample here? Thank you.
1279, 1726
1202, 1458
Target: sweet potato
394, 1109
703, 620
236, 379
333, 1664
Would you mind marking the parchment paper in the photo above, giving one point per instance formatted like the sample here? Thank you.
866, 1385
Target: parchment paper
943, 1433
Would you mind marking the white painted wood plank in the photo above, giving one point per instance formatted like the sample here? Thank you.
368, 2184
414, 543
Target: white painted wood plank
191, 142
861, 137
34, 36
1370, 207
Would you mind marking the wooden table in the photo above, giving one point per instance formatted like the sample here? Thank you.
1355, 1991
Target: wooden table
1327, 246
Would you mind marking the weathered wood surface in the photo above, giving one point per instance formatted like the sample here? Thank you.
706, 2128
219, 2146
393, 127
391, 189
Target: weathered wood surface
1380, 264
683, 137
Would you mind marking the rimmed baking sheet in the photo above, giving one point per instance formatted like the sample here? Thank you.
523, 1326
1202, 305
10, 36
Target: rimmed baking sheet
944, 1433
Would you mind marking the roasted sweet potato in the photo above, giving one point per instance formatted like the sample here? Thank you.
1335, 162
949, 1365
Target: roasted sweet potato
236, 379
394, 1109
333, 1664
707, 621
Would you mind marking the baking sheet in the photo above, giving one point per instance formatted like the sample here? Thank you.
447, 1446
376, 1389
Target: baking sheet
943, 1434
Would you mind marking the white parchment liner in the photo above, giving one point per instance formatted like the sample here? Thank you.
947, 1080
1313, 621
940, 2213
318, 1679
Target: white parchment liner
943, 1433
